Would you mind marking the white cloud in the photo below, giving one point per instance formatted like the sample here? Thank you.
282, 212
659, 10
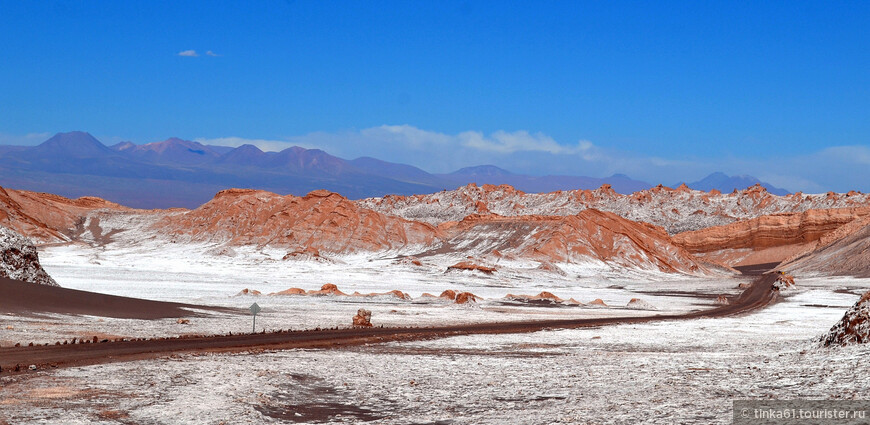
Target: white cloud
263, 144
212, 54
839, 168
188, 53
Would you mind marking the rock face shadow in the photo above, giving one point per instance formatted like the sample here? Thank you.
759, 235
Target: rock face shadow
308, 399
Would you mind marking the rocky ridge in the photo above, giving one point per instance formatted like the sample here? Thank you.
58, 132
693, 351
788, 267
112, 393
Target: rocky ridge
677, 210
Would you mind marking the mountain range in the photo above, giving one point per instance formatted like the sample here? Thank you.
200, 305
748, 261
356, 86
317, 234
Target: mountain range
184, 173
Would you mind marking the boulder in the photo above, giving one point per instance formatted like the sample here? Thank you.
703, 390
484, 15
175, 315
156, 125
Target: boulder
247, 291
466, 298
19, 259
363, 318
448, 294
783, 281
722, 300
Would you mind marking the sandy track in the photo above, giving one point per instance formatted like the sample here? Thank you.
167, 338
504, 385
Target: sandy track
758, 295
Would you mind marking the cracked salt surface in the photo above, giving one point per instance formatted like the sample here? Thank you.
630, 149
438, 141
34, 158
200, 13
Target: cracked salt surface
667, 372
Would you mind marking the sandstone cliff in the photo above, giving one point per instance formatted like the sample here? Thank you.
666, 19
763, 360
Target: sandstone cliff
770, 238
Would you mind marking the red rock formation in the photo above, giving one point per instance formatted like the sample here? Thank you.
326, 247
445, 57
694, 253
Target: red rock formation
543, 296
466, 265
598, 302
363, 318
46, 217
247, 291
290, 291
843, 252
448, 294
591, 235
466, 297
327, 289
694, 209
394, 293
321, 220
770, 238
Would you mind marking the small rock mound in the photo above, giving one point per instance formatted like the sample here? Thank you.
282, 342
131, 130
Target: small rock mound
722, 300
459, 297
327, 289
466, 298
363, 318
639, 304
247, 291
467, 265
783, 281
598, 302
544, 296
290, 291
19, 260
853, 328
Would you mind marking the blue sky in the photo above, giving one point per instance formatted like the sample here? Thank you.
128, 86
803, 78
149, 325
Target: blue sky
662, 91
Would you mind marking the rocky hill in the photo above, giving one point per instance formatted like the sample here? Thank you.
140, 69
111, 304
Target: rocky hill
677, 210
327, 223
320, 221
845, 251
46, 217
770, 238
19, 260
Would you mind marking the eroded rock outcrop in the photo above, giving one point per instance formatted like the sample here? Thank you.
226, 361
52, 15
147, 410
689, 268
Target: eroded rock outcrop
321, 222
769, 238
467, 265
19, 259
544, 296
363, 318
853, 328
676, 210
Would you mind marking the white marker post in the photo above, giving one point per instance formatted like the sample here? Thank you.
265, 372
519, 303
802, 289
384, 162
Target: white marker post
254, 310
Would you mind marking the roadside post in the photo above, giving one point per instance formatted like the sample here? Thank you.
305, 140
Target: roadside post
254, 310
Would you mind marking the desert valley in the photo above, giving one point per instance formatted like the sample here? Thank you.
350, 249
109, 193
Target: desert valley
487, 304
435, 213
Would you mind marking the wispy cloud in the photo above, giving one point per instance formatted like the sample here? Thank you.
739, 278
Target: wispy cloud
212, 54
188, 53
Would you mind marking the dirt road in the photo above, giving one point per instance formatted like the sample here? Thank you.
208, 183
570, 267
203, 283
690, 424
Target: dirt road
756, 296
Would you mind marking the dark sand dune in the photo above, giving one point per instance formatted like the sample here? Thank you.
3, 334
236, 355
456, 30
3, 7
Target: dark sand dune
28, 299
